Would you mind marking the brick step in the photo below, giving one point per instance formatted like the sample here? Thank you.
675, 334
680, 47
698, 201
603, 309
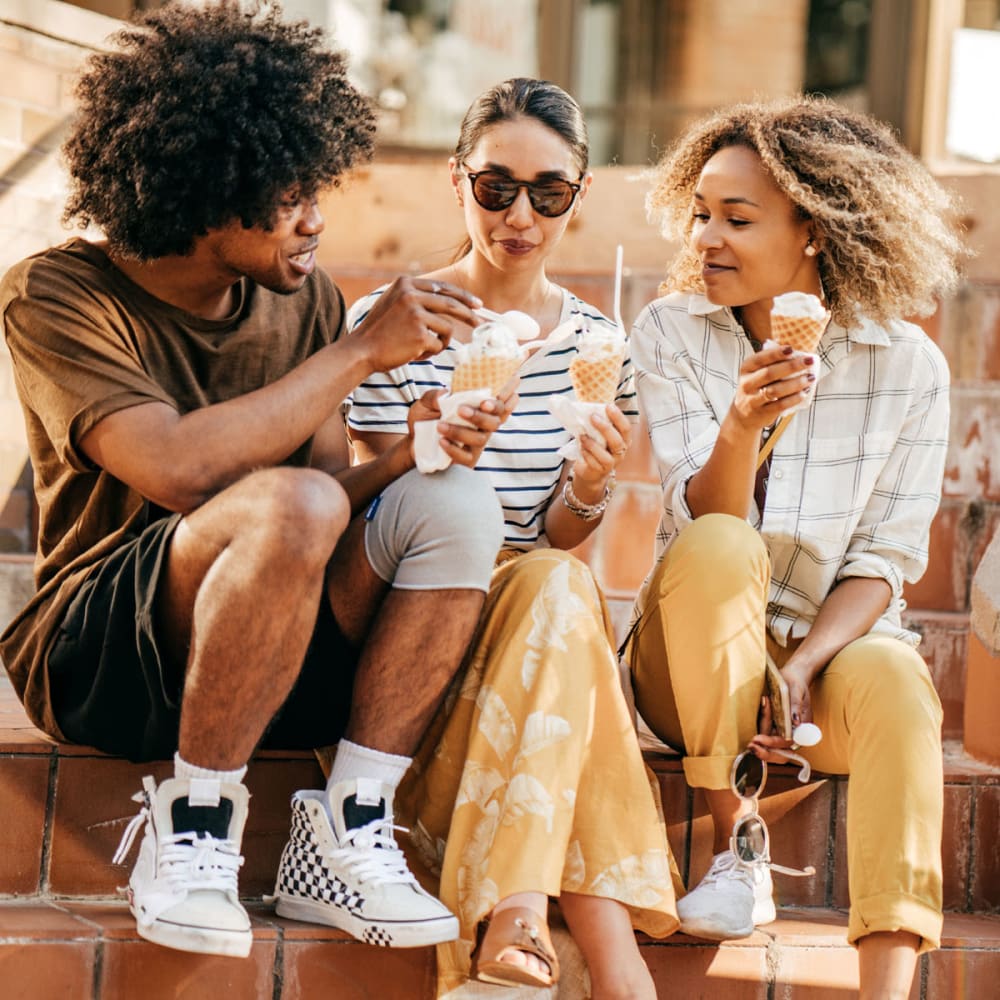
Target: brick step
89, 950
65, 808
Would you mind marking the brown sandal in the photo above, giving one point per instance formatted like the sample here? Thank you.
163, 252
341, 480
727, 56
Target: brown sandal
516, 929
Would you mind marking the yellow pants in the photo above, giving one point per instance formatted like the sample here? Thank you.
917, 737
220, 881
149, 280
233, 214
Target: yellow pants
697, 661
531, 778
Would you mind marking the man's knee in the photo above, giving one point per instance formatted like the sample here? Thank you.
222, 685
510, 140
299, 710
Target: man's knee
435, 532
302, 512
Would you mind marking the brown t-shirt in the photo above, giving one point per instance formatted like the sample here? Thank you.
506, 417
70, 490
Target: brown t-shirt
86, 341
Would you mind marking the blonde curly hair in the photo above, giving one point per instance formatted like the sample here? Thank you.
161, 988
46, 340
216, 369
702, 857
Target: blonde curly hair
890, 235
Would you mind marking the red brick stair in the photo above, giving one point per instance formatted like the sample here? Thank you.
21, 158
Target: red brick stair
65, 933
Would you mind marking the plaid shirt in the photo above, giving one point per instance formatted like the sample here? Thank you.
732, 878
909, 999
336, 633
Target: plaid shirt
856, 478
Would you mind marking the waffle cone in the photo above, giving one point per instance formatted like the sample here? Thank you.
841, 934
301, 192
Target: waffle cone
484, 372
595, 381
798, 332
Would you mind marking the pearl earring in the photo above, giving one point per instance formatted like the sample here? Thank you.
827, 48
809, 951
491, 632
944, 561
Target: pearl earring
810, 250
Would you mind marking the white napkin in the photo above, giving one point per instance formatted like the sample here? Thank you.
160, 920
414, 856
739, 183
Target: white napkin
816, 368
430, 456
575, 417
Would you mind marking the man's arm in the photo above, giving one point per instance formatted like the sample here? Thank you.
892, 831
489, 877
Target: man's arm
179, 461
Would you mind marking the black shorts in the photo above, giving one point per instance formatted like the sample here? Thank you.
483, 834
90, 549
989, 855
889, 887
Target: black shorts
111, 688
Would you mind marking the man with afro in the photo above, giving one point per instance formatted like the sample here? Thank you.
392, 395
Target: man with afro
213, 574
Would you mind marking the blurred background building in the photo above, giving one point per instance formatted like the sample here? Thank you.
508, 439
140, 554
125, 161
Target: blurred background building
643, 68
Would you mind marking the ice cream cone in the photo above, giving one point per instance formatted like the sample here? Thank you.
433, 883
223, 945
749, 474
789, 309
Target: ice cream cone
484, 372
595, 381
798, 332
798, 321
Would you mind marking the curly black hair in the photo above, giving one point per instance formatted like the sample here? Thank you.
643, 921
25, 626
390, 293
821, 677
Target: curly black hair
204, 116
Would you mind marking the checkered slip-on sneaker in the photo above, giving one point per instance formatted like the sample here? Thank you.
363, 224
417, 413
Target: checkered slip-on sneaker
183, 890
351, 873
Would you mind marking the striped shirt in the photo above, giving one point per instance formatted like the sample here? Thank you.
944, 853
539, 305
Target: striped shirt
856, 478
521, 457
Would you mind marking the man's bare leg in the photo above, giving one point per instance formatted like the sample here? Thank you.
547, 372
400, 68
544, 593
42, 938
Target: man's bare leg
238, 604
413, 642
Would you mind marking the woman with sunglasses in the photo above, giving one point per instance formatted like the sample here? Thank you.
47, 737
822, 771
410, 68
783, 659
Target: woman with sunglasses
800, 196
531, 785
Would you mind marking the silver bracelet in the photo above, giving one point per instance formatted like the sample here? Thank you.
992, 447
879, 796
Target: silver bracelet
587, 511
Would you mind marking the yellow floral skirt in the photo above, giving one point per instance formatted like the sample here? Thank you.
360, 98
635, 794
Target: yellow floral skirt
530, 777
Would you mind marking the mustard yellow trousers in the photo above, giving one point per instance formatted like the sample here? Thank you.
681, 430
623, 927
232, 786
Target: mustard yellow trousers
697, 660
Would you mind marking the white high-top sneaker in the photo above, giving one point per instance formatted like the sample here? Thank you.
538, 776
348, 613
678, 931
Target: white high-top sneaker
352, 875
729, 901
183, 890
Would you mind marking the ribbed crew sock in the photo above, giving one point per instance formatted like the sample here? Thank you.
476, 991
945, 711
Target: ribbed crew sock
357, 763
206, 784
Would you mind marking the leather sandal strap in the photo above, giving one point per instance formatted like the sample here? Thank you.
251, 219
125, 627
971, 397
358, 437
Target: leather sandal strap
519, 928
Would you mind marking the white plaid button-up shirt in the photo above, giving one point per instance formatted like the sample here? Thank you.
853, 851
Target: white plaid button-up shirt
856, 478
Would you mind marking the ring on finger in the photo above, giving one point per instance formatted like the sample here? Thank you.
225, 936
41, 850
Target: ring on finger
618, 454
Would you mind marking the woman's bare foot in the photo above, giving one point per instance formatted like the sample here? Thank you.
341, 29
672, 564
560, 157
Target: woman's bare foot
602, 929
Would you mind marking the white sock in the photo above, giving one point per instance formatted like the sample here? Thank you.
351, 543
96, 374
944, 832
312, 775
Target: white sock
353, 761
206, 784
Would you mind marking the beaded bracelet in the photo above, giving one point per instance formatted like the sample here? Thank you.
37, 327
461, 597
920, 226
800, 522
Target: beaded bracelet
587, 511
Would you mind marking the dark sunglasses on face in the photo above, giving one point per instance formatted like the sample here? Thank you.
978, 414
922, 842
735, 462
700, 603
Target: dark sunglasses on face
495, 191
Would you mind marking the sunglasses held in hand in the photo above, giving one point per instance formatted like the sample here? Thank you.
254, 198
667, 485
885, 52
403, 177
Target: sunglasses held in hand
751, 842
496, 191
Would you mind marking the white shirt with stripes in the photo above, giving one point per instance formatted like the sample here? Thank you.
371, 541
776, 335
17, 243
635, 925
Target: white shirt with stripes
856, 478
521, 457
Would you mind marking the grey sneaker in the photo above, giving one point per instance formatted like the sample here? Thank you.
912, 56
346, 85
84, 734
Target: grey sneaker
351, 873
183, 889
729, 901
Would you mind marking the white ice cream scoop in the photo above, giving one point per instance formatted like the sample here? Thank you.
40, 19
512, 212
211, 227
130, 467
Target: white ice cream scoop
523, 325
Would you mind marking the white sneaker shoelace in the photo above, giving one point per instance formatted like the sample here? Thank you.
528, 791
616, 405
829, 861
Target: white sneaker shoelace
185, 861
202, 863
725, 869
370, 853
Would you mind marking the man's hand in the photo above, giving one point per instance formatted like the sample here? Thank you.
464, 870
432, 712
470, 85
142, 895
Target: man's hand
414, 319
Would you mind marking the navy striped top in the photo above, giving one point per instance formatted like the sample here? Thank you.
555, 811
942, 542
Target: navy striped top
521, 458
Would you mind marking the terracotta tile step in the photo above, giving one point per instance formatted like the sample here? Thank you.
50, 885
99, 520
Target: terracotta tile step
65, 808
90, 950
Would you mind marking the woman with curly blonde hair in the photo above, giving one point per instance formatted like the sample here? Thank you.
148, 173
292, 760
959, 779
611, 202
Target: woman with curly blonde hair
818, 536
